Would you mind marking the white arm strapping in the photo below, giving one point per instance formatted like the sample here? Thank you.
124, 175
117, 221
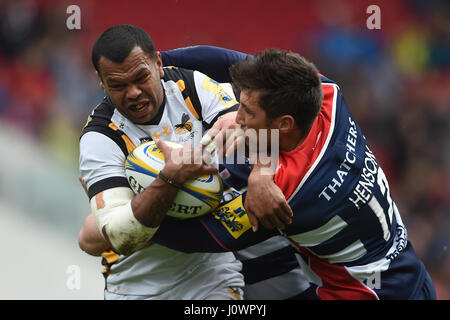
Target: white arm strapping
114, 216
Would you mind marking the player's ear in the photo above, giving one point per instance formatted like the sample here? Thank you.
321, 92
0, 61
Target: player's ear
102, 86
159, 64
286, 123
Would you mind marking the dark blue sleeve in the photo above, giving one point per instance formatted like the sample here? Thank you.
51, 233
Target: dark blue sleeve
225, 229
212, 61
188, 235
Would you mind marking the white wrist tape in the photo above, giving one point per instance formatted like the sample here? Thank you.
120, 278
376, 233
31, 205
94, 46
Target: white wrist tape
114, 216
206, 139
211, 147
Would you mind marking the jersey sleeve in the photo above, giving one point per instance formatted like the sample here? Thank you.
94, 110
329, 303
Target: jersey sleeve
101, 163
226, 229
210, 60
215, 100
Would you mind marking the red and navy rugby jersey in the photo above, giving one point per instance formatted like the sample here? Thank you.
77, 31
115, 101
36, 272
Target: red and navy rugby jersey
346, 228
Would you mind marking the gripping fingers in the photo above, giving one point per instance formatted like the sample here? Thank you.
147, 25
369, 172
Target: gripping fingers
253, 220
211, 147
272, 222
206, 139
285, 214
233, 143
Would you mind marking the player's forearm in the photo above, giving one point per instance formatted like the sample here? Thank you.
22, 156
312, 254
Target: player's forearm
208, 233
210, 60
150, 207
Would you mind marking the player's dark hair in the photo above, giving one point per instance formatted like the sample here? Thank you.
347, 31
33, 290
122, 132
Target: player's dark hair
287, 83
117, 42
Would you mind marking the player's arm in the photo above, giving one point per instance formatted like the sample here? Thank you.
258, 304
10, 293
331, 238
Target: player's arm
265, 203
210, 60
101, 167
90, 240
127, 221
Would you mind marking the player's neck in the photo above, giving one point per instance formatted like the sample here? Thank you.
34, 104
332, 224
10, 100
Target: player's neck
290, 141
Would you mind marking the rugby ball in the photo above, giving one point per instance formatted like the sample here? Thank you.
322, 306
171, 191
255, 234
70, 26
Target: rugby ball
196, 198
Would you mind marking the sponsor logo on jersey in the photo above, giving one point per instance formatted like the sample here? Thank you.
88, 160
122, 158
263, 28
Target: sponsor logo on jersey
233, 217
215, 87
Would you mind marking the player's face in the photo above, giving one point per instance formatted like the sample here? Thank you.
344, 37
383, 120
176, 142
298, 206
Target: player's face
251, 116
134, 85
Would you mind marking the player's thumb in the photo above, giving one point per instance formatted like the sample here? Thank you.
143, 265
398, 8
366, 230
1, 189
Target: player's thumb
165, 149
171, 155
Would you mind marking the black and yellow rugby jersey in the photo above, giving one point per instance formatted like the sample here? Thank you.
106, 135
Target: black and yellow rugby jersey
192, 102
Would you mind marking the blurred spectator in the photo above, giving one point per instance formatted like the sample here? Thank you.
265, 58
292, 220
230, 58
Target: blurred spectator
20, 24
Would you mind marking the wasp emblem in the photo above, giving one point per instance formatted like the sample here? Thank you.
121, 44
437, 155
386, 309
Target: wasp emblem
185, 126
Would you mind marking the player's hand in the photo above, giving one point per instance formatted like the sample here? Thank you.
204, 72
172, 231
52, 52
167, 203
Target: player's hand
224, 136
265, 202
186, 163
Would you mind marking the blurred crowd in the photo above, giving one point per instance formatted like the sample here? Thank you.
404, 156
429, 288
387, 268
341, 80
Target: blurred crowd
397, 86
396, 81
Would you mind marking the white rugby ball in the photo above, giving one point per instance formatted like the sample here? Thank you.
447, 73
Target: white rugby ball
197, 197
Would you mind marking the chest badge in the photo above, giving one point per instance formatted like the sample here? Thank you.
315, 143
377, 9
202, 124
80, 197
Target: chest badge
185, 126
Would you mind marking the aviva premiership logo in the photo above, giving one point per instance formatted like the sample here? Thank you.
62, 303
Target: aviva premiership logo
185, 126
233, 217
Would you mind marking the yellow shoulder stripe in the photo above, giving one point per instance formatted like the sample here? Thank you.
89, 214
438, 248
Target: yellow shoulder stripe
191, 107
181, 85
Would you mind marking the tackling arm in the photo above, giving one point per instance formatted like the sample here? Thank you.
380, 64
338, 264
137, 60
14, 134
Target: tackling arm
225, 229
210, 60
128, 221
